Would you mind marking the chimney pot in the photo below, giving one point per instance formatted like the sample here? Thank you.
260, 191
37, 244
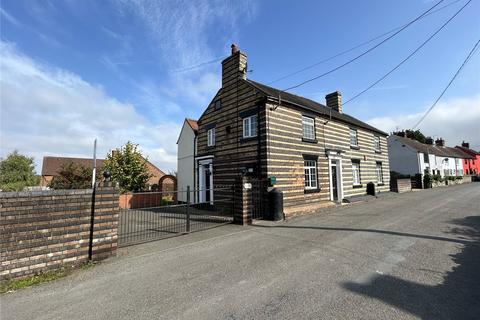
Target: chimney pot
465, 144
334, 101
440, 142
234, 48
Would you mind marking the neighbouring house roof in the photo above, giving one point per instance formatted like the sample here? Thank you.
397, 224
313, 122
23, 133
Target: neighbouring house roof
468, 150
312, 106
51, 165
432, 149
193, 124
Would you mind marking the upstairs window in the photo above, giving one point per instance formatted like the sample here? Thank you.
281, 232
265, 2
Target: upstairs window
250, 126
218, 104
308, 125
379, 172
356, 172
310, 167
211, 137
353, 138
376, 143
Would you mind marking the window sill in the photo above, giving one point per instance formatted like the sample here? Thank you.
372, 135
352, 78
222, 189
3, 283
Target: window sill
310, 140
357, 186
354, 147
248, 139
311, 190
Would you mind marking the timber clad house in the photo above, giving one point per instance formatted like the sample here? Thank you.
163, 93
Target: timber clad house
314, 153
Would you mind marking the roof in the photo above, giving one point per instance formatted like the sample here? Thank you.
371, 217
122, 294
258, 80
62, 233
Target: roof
312, 106
432, 149
468, 150
52, 165
193, 124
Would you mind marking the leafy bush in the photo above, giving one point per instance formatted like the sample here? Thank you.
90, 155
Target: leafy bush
459, 177
73, 176
17, 172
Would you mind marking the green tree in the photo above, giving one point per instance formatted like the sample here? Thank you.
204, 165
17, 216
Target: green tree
416, 135
128, 167
17, 172
74, 176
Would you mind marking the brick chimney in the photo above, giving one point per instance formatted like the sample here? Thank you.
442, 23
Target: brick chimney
234, 67
334, 101
440, 142
429, 140
465, 144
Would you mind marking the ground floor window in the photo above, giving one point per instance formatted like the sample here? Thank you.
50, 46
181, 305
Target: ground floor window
356, 172
310, 167
378, 171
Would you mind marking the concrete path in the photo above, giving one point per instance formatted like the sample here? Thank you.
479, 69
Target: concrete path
415, 255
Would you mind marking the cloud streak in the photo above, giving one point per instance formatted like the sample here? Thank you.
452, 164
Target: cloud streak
50, 111
455, 120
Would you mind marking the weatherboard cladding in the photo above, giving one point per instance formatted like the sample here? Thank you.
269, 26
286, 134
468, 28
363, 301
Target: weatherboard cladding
280, 152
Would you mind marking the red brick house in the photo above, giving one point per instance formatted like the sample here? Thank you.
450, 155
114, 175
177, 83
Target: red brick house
470, 166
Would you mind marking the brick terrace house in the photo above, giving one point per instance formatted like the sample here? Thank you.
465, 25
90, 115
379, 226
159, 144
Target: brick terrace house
316, 152
472, 165
51, 167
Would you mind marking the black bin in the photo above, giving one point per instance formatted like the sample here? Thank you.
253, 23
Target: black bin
275, 204
371, 189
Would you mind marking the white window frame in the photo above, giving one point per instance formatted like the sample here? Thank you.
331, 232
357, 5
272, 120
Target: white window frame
311, 179
211, 137
250, 126
376, 143
356, 179
379, 172
308, 122
354, 135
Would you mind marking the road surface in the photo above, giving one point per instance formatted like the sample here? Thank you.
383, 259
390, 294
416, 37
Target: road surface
408, 256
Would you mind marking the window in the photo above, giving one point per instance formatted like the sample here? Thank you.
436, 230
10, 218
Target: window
425, 157
308, 125
218, 104
211, 137
353, 138
378, 171
310, 174
250, 126
356, 172
376, 142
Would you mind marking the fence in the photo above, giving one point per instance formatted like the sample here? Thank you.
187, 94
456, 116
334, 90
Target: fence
155, 215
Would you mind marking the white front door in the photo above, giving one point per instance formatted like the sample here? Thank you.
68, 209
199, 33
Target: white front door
335, 177
205, 181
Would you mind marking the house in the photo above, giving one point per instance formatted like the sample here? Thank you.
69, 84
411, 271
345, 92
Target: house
52, 165
470, 166
186, 159
411, 157
314, 153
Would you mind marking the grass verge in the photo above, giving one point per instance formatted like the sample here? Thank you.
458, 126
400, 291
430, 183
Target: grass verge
16, 284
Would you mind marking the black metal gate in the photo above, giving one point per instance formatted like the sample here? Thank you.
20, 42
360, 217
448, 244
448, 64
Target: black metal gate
149, 216
259, 196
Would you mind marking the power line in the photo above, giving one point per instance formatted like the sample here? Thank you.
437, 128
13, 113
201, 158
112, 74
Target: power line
201, 64
354, 47
409, 56
475, 47
365, 52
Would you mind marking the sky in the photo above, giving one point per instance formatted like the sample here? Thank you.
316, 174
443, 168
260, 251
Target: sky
133, 70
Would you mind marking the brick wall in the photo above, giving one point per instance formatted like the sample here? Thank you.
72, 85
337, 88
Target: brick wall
45, 230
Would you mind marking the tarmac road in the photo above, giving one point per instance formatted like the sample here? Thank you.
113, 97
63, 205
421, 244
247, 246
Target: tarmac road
407, 256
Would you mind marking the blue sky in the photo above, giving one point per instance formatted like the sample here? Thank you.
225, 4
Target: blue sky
121, 70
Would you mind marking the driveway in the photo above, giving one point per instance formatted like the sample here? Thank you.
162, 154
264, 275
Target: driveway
414, 255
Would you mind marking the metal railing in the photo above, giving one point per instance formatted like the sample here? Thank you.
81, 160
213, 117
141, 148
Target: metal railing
149, 216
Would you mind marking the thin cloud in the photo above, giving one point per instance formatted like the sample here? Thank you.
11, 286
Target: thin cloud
50, 111
455, 120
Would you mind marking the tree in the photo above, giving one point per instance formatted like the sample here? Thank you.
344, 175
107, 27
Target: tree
74, 176
128, 167
416, 135
17, 172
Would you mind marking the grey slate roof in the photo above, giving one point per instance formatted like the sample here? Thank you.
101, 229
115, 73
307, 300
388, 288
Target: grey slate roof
313, 106
433, 149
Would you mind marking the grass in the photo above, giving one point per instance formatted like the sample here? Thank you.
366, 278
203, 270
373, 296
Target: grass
16, 284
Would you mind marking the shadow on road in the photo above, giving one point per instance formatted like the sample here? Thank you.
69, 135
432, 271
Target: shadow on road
458, 297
